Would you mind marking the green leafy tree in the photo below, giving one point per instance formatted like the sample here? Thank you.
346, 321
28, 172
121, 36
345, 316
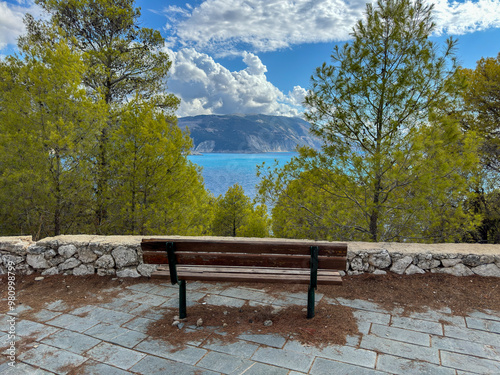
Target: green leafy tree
482, 109
393, 166
157, 189
235, 216
47, 123
305, 210
257, 223
487, 205
481, 114
124, 59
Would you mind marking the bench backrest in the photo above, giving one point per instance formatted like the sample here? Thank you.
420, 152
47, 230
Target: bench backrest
246, 253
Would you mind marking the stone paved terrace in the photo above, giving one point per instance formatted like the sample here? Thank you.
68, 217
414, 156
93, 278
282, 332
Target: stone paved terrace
111, 339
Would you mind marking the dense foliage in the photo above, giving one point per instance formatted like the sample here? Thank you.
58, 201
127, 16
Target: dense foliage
47, 126
480, 112
236, 216
481, 109
88, 138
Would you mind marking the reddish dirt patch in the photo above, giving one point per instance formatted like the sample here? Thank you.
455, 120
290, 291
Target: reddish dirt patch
331, 324
422, 292
74, 291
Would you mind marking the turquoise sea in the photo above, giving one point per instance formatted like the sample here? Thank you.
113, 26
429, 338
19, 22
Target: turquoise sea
221, 171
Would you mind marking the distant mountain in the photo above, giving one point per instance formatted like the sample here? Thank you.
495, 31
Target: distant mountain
248, 133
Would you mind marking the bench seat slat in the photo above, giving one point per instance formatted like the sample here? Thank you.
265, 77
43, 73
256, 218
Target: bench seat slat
296, 276
256, 270
225, 245
256, 260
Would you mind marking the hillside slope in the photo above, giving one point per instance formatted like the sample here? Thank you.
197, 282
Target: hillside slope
248, 133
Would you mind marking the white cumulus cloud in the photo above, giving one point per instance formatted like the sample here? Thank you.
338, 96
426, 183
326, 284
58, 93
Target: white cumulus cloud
228, 26
11, 20
207, 87
266, 25
458, 18
11, 23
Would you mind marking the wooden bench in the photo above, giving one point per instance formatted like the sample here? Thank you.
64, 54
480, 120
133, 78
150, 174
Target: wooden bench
246, 260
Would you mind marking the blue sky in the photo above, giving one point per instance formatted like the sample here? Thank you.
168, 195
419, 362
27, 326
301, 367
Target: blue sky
257, 56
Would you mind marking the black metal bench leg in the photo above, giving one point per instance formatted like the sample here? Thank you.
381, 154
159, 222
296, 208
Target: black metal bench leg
310, 303
314, 281
182, 299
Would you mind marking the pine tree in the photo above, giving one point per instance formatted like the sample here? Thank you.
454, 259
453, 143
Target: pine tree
393, 166
481, 113
47, 123
235, 215
123, 59
482, 109
157, 189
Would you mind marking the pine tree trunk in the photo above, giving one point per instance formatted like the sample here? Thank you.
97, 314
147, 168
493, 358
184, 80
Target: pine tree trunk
57, 211
101, 209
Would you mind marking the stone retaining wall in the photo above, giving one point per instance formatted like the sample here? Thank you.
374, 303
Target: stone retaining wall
122, 256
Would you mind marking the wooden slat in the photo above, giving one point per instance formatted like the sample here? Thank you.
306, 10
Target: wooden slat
257, 278
252, 277
246, 246
245, 260
260, 270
